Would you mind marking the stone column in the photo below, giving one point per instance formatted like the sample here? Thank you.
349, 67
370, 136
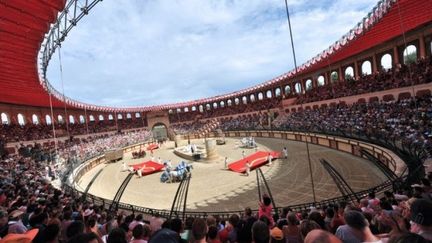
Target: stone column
210, 145
374, 64
356, 70
395, 56
422, 49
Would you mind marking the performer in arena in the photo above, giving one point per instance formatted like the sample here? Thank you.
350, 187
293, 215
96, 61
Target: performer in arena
285, 152
124, 167
248, 168
269, 159
168, 165
159, 160
226, 162
140, 171
243, 154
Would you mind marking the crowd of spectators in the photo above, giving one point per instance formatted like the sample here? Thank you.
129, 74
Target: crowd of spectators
27, 132
402, 76
32, 207
407, 120
419, 72
227, 110
30, 132
33, 210
253, 121
195, 127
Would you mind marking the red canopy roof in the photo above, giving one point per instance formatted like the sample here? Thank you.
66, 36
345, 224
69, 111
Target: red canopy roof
23, 25
413, 13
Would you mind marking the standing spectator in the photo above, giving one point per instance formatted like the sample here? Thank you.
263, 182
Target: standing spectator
292, 231
140, 233
156, 222
357, 229
199, 230
266, 208
260, 232
212, 235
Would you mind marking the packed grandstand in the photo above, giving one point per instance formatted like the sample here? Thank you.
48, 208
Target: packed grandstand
45, 137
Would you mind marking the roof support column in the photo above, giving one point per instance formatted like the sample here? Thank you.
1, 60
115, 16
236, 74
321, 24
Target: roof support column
374, 64
422, 46
356, 70
327, 78
395, 56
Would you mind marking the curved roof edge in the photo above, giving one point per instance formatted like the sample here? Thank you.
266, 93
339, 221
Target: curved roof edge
379, 25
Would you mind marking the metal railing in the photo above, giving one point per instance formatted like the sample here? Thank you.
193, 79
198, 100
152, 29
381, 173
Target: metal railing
386, 185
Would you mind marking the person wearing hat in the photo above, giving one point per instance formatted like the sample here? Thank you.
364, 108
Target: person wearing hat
277, 235
15, 223
421, 218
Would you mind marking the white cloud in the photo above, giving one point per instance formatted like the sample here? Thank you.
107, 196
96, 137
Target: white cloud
132, 52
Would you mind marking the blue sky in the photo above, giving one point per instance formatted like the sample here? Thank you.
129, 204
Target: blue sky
149, 52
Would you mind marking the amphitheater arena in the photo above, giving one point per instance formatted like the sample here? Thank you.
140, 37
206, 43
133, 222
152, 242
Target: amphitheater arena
353, 121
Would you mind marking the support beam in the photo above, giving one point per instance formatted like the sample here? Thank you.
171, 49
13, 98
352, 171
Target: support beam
422, 47
180, 198
115, 203
374, 64
379, 164
91, 183
340, 182
395, 56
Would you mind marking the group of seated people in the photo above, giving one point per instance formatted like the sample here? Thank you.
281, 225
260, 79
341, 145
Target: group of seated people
403, 75
68, 153
257, 105
407, 120
33, 210
196, 127
259, 120
255, 121
32, 207
419, 72
30, 132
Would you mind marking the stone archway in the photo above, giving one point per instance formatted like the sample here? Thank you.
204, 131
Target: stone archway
160, 131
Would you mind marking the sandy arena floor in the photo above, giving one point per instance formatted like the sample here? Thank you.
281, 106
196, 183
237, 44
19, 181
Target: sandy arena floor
212, 188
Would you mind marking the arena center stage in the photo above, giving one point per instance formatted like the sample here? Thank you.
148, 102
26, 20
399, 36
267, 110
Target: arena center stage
214, 188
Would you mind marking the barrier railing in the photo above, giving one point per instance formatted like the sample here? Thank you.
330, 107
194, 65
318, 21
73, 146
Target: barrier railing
387, 185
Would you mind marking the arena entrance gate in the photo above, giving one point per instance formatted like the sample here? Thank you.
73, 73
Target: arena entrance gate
160, 131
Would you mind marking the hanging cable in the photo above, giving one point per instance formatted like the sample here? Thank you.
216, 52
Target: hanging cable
63, 93
403, 55
301, 104
52, 122
85, 119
